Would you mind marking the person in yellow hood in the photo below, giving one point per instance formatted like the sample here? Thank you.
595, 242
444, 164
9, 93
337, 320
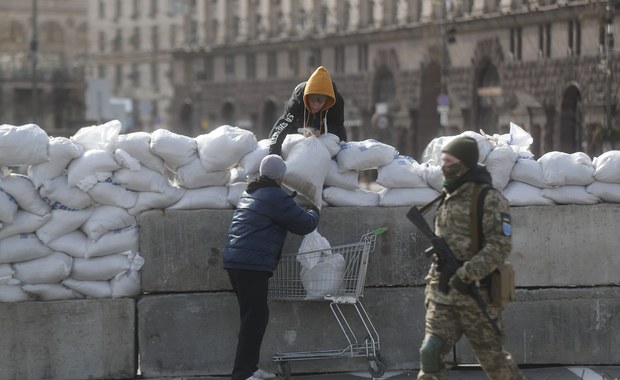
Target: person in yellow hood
315, 107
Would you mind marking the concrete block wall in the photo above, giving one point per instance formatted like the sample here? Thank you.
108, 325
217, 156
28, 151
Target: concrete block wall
564, 312
185, 323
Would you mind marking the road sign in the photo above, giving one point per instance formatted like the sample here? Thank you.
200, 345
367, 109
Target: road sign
443, 100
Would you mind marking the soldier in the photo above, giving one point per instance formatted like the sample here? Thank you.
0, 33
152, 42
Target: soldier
455, 313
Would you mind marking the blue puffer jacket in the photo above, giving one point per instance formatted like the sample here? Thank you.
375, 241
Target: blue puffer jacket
264, 214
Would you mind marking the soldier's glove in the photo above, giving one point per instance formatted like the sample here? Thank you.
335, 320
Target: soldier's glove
460, 285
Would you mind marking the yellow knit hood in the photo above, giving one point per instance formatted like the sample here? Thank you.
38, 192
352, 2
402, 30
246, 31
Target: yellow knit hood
320, 83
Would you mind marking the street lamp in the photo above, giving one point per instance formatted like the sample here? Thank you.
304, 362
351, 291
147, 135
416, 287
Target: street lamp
34, 45
443, 101
609, 46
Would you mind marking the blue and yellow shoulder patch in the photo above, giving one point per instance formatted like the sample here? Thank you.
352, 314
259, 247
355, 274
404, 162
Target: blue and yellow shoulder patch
506, 226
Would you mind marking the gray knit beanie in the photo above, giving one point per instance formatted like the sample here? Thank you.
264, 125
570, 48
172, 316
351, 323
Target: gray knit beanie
272, 166
464, 148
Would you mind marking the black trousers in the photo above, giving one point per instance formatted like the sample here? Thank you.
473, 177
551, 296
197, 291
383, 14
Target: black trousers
251, 289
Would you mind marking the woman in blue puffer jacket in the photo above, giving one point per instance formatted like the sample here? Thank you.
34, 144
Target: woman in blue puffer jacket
264, 215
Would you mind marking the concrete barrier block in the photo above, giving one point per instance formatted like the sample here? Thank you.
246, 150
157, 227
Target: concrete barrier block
567, 326
64, 340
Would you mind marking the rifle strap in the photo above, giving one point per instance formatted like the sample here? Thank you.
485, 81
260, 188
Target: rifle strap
424, 208
476, 214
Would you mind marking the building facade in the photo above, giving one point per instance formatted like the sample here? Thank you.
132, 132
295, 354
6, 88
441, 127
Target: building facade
130, 55
42, 67
409, 70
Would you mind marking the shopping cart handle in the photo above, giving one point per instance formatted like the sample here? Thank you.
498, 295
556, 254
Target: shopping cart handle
379, 231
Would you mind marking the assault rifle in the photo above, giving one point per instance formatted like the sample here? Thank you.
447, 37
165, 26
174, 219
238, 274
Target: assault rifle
448, 262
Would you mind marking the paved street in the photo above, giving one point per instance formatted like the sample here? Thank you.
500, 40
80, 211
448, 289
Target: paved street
467, 373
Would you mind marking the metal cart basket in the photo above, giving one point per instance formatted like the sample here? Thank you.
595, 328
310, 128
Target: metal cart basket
338, 275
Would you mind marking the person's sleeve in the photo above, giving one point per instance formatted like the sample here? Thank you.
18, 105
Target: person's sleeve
497, 232
294, 218
284, 126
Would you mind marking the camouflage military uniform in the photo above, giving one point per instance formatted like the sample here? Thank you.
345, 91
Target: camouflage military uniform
451, 315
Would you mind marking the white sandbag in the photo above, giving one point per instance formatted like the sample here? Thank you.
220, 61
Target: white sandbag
289, 143
83, 171
125, 160
223, 147
98, 137
13, 293
235, 191
336, 196
111, 193
22, 247
176, 150
156, 201
6, 275
62, 222
143, 179
59, 195
50, 269
414, 196
348, 180
403, 171
90, 289
607, 167
105, 219
518, 139
571, 194
525, 194
250, 162
499, 163
21, 188
607, 192
212, 197
115, 241
331, 142
528, 170
8, 207
61, 152
433, 175
313, 246
138, 145
561, 169
306, 168
72, 243
51, 292
364, 155
194, 175
126, 284
101, 268
23, 145
433, 149
237, 174
24, 222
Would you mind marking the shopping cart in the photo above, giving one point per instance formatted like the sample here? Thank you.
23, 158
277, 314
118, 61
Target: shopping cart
338, 275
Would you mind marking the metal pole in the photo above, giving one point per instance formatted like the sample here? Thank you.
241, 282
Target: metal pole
34, 45
443, 117
609, 56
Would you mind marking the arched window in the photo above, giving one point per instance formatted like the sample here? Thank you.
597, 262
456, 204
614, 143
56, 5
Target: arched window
489, 96
571, 132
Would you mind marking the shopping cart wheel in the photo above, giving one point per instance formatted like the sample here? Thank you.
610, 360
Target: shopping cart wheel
376, 367
284, 370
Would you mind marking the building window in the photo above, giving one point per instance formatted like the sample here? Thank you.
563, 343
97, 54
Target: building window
135, 38
118, 76
574, 38
135, 75
362, 57
155, 75
101, 71
229, 66
208, 62
135, 11
153, 10
339, 56
314, 58
101, 41
173, 36
293, 61
516, 41
544, 40
118, 41
155, 38
118, 10
101, 9
272, 64
250, 66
